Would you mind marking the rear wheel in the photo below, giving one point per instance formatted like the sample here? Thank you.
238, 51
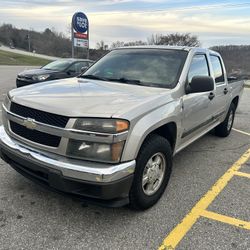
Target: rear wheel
153, 169
224, 129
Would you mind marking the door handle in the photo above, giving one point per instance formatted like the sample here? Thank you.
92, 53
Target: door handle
225, 91
211, 96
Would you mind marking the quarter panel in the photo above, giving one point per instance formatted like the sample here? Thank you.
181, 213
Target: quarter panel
141, 128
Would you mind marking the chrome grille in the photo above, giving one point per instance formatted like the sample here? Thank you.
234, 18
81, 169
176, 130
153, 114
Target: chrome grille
40, 116
34, 135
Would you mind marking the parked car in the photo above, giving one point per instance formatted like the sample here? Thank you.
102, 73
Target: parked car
109, 135
59, 69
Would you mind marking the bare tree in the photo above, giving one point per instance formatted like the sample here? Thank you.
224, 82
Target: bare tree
117, 44
175, 39
135, 43
154, 39
101, 45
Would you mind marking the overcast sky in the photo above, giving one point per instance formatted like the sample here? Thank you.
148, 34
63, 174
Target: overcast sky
214, 22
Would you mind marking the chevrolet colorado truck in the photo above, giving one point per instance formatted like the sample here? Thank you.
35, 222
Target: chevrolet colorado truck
109, 135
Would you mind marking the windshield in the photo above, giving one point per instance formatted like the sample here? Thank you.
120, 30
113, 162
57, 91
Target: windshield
148, 67
59, 65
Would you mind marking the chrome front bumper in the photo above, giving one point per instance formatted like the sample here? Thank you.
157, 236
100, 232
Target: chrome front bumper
70, 168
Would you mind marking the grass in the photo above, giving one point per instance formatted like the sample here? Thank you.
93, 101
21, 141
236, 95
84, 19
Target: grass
10, 58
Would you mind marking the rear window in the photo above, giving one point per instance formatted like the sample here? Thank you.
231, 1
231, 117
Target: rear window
217, 69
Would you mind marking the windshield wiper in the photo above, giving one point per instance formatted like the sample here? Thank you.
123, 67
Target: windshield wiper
125, 80
93, 77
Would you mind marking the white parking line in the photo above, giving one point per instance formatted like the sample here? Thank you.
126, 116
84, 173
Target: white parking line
242, 132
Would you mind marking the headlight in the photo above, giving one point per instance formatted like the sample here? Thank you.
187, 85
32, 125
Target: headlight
7, 102
103, 152
95, 151
111, 126
41, 77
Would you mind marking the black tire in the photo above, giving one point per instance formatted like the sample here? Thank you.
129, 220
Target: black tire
153, 144
224, 129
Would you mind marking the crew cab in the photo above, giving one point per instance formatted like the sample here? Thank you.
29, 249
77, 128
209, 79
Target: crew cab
109, 135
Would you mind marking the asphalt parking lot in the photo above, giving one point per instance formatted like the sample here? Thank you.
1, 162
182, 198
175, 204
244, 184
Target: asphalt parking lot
206, 204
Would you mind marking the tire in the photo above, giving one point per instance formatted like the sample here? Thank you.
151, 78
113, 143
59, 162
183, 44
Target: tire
157, 149
224, 129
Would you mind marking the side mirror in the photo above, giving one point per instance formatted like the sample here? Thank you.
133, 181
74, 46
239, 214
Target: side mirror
83, 69
71, 72
200, 84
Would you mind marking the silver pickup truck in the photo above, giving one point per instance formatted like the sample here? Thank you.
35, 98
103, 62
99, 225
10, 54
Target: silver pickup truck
109, 135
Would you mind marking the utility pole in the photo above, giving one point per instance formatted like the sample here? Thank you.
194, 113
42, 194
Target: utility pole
72, 40
28, 38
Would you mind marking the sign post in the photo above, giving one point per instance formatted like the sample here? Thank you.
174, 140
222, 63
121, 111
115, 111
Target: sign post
80, 32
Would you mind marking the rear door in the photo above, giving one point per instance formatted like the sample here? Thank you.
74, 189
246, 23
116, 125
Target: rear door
221, 91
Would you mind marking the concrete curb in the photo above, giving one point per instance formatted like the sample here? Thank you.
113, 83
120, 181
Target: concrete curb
247, 84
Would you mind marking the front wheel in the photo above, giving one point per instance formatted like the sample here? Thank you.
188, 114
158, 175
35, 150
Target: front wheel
153, 169
224, 129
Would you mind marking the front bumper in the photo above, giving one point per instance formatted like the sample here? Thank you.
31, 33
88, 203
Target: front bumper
22, 83
85, 179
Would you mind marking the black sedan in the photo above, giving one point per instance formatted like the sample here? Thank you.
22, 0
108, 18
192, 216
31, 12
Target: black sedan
58, 69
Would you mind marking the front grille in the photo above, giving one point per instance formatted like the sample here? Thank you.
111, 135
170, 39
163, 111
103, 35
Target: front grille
34, 135
40, 116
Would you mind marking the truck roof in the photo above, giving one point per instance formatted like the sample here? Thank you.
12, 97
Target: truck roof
186, 48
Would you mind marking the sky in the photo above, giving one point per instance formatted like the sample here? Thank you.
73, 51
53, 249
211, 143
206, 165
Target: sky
214, 22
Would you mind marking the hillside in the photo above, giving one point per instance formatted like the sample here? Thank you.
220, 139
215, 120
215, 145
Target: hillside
10, 58
48, 42
236, 59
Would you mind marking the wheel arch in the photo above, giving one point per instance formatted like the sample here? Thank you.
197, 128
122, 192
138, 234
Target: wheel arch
235, 101
168, 131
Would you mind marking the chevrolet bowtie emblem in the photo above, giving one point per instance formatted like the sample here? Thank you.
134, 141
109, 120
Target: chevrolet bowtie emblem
29, 123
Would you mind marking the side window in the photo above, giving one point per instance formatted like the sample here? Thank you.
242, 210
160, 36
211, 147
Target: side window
217, 68
199, 67
72, 68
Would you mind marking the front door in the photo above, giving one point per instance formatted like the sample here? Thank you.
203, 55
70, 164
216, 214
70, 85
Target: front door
196, 106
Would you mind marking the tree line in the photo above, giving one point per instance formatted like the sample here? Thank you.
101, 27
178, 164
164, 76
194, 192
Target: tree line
51, 42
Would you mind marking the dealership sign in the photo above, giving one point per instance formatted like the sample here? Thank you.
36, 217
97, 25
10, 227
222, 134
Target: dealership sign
80, 22
80, 31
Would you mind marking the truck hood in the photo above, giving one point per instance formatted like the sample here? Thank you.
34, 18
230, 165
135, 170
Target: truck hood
77, 97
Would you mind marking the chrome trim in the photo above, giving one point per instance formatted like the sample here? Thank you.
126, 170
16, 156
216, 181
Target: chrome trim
81, 170
68, 132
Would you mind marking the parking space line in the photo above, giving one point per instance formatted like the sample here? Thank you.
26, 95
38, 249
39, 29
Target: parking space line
226, 219
242, 132
239, 173
176, 235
